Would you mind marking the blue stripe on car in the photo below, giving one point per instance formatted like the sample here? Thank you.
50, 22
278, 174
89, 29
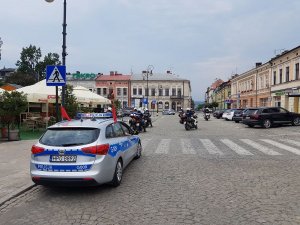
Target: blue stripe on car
63, 168
122, 146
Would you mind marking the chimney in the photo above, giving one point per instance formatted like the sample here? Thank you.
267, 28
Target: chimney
112, 73
169, 72
258, 64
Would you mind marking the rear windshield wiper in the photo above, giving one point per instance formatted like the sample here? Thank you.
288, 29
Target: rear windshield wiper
72, 144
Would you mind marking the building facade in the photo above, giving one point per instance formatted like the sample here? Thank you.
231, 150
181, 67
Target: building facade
252, 88
165, 91
285, 84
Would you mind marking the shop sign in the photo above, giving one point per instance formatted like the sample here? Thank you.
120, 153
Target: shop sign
83, 76
279, 93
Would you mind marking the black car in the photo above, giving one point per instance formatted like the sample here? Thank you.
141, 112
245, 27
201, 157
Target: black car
239, 113
270, 116
218, 113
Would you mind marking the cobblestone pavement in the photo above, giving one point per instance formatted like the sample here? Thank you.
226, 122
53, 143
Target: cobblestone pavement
222, 173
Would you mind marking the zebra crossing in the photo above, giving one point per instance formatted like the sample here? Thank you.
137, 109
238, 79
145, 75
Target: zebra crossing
221, 147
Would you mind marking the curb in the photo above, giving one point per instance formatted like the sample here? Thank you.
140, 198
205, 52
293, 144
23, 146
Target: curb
16, 194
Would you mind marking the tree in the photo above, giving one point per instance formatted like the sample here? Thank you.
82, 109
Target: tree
31, 64
20, 79
49, 59
29, 59
192, 103
11, 105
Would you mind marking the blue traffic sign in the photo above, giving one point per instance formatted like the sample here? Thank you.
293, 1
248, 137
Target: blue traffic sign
56, 75
145, 100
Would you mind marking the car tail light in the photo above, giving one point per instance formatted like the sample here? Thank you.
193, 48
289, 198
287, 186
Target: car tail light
255, 116
36, 150
97, 149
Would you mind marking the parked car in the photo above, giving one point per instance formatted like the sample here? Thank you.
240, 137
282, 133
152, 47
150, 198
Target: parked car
229, 114
127, 111
84, 152
168, 112
218, 113
238, 117
226, 114
270, 116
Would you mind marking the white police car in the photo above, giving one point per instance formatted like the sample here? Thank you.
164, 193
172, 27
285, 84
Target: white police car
84, 151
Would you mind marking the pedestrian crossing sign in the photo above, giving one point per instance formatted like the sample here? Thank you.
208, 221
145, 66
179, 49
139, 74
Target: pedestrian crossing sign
56, 75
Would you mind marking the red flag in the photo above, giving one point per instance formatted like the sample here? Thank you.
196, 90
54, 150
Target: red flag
64, 114
114, 112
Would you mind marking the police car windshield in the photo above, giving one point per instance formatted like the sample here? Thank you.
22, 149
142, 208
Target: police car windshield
69, 136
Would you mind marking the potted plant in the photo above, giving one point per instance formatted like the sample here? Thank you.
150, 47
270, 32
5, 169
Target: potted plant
11, 105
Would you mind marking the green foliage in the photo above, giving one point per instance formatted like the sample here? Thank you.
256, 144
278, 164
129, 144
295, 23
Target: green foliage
117, 104
21, 79
29, 58
200, 106
31, 65
49, 59
11, 105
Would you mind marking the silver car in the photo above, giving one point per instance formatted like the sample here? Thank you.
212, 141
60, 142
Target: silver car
89, 151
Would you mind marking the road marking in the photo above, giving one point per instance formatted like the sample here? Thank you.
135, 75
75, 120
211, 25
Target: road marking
210, 147
297, 143
187, 147
236, 148
260, 147
163, 146
282, 146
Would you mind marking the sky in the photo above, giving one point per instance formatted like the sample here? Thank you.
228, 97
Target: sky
199, 40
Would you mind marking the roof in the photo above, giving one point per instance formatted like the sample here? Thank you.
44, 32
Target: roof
10, 87
113, 77
216, 84
158, 76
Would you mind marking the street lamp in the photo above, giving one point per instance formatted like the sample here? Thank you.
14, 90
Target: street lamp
146, 75
64, 53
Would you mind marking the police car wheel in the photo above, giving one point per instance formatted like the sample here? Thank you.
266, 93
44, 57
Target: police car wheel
138, 151
118, 174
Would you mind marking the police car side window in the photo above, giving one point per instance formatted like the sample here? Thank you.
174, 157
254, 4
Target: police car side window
126, 129
118, 130
109, 133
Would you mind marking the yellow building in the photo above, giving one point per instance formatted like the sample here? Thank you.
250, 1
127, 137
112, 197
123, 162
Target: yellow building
285, 83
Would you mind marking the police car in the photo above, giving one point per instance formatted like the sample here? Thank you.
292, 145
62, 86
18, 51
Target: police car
88, 151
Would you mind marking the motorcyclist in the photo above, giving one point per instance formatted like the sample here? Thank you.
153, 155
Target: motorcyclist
147, 116
206, 110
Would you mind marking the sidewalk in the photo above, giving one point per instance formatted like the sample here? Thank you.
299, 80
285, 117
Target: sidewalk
14, 168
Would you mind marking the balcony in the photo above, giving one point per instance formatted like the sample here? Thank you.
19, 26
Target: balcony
176, 96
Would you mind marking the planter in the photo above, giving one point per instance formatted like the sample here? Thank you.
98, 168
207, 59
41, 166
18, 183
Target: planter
4, 133
14, 135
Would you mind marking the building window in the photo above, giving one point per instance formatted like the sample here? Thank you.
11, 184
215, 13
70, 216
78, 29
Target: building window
274, 77
124, 91
280, 76
152, 91
118, 91
179, 92
297, 71
263, 101
267, 81
104, 91
277, 101
287, 74
160, 92
167, 106
140, 91
167, 92
99, 91
134, 91
173, 91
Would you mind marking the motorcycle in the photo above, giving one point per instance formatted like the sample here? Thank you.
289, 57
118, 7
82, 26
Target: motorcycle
148, 120
191, 122
206, 116
137, 124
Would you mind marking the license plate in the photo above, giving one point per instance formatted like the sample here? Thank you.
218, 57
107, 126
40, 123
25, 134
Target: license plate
247, 117
137, 124
63, 158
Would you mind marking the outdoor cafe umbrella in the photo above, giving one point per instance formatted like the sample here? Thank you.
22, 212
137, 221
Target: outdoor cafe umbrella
84, 95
